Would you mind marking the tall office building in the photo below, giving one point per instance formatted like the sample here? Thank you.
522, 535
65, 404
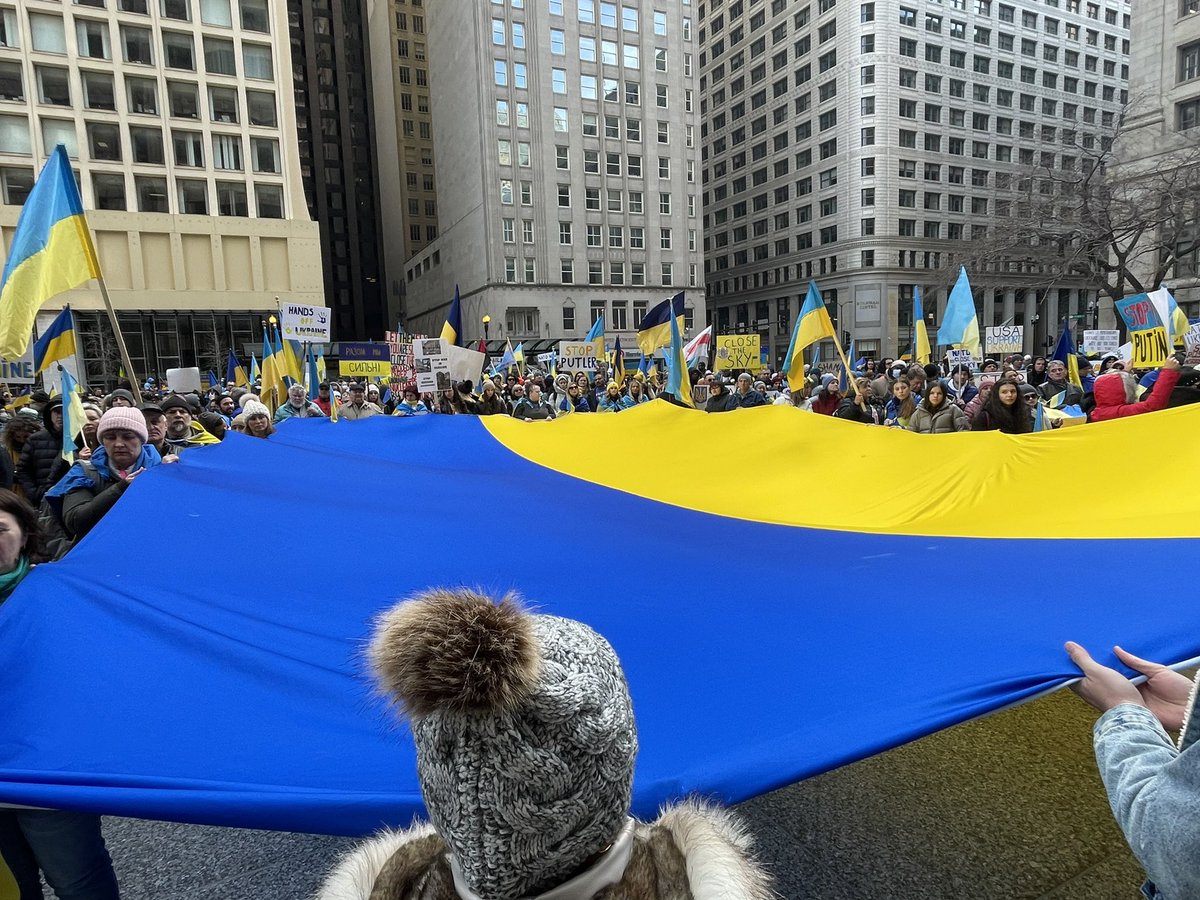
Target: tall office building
336, 144
179, 119
855, 143
1162, 129
567, 149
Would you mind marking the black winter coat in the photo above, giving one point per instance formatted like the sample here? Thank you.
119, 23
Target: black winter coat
41, 464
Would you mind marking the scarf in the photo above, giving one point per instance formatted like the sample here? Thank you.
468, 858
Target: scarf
10, 580
77, 477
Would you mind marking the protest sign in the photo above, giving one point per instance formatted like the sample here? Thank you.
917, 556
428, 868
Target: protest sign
431, 359
960, 358
19, 371
364, 360
465, 364
1147, 332
1002, 339
179, 380
1102, 342
737, 351
1191, 340
577, 356
545, 358
299, 322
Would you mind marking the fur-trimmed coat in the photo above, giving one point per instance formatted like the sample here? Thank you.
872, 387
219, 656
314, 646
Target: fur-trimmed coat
691, 852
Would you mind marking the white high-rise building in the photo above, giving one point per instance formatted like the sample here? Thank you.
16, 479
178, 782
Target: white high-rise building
178, 116
568, 151
856, 143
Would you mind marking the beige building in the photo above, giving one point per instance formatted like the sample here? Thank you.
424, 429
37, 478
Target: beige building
179, 118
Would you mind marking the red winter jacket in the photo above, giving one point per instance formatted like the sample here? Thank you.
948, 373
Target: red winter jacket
1110, 396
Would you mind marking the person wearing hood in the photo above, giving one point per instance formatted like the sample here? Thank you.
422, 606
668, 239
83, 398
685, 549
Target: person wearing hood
297, 406
637, 392
119, 397
719, 397
1116, 393
91, 488
1036, 373
41, 462
828, 397
182, 432
1086, 378
1057, 383
744, 394
936, 414
555, 703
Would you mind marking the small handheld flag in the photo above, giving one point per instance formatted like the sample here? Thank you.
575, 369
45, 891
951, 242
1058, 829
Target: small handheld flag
1064, 352
234, 373
56, 343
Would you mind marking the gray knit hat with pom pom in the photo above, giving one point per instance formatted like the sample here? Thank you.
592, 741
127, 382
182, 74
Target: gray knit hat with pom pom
524, 731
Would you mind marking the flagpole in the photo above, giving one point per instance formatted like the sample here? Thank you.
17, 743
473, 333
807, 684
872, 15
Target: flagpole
846, 362
112, 318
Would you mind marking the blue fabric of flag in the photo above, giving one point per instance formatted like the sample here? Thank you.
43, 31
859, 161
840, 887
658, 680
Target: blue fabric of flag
249, 703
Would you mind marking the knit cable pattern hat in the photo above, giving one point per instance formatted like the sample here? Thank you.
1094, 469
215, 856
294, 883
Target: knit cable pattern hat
253, 408
524, 732
123, 417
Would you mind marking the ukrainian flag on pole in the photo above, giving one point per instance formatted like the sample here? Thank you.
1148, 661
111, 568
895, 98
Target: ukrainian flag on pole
679, 382
56, 343
73, 416
812, 325
452, 329
960, 327
51, 252
595, 337
924, 352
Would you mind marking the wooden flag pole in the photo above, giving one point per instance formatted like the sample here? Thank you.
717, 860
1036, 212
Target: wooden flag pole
112, 318
845, 362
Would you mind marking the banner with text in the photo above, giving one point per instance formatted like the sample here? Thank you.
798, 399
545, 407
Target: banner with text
304, 323
19, 371
1101, 342
431, 358
1147, 332
1001, 339
738, 351
577, 356
364, 360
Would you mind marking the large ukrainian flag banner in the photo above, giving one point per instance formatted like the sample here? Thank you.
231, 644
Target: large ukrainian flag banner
51, 252
250, 703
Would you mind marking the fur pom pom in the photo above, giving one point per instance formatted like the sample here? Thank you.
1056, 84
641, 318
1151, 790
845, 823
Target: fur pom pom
456, 651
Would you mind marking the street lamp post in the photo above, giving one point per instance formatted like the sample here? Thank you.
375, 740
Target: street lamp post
487, 320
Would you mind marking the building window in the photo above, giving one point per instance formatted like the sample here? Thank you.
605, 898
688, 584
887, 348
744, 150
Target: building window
231, 199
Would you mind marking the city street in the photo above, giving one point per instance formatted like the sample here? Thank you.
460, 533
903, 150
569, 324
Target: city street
1004, 807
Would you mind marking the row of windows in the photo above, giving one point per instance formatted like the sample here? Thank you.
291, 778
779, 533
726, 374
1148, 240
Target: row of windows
1029, 19
193, 196
595, 276
96, 90
253, 15
137, 46
594, 235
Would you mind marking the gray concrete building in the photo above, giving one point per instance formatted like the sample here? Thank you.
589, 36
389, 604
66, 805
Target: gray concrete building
1162, 129
567, 145
860, 143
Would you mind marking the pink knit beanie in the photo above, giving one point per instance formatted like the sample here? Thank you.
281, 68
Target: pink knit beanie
123, 417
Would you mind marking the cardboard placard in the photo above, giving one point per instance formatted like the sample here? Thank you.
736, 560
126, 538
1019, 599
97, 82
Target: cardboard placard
299, 322
431, 359
1101, 342
19, 371
738, 351
1147, 332
1003, 339
577, 356
184, 380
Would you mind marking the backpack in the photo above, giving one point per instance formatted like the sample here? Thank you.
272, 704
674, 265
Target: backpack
54, 531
